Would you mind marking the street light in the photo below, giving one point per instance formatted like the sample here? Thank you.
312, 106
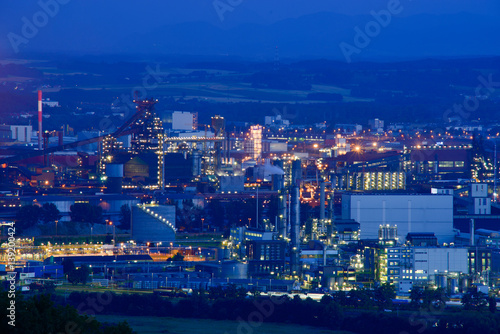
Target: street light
114, 232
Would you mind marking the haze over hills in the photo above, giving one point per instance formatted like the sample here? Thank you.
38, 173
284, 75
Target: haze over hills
309, 36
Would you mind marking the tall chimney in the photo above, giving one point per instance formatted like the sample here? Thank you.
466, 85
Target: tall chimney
40, 131
296, 171
322, 201
295, 220
295, 230
283, 214
472, 232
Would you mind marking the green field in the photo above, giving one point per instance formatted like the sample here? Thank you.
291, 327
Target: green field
155, 325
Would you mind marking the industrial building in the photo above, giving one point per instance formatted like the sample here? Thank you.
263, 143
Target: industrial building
183, 120
408, 266
444, 160
410, 213
266, 257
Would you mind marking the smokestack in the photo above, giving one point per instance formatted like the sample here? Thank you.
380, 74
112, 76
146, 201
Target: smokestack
296, 171
40, 131
322, 201
329, 233
330, 206
282, 214
436, 164
472, 232
295, 223
295, 230
325, 247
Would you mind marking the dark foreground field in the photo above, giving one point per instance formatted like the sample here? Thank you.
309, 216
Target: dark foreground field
157, 325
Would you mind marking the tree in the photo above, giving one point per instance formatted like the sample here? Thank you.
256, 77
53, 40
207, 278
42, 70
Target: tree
84, 274
50, 213
39, 314
74, 277
340, 297
28, 216
416, 296
216, 212
492, 304
383, 295
125, 217
68, 266
189, 216
426, 297
474, 300
360, 298
85, 212
120, 328
331, 315
80, 275
435, 297
177, 257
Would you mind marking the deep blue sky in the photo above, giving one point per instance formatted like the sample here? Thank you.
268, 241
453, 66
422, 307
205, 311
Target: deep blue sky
158, 12
94, 24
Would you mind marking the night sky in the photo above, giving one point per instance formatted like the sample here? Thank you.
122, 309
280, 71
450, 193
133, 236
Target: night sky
96, 26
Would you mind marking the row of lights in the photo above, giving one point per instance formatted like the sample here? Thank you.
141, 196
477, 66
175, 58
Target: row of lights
143, 207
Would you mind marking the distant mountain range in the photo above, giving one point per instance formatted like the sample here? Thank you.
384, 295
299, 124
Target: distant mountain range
311, 36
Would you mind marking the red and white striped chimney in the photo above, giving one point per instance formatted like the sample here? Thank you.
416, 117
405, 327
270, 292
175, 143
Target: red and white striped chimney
40, 120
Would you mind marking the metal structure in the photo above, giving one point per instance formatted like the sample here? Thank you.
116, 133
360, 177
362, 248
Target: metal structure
127, 128
40, 120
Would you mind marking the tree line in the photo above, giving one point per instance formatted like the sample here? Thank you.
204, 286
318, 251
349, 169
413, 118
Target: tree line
31, 215
39, 314
358, 311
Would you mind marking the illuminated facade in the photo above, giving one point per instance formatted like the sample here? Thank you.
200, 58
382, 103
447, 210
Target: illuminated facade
107, 148
370, 181
408, 266
147, 137
254, 143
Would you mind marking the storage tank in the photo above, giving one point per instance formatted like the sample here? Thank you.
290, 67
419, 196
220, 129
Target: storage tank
454, 285
442, 281
114, 173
